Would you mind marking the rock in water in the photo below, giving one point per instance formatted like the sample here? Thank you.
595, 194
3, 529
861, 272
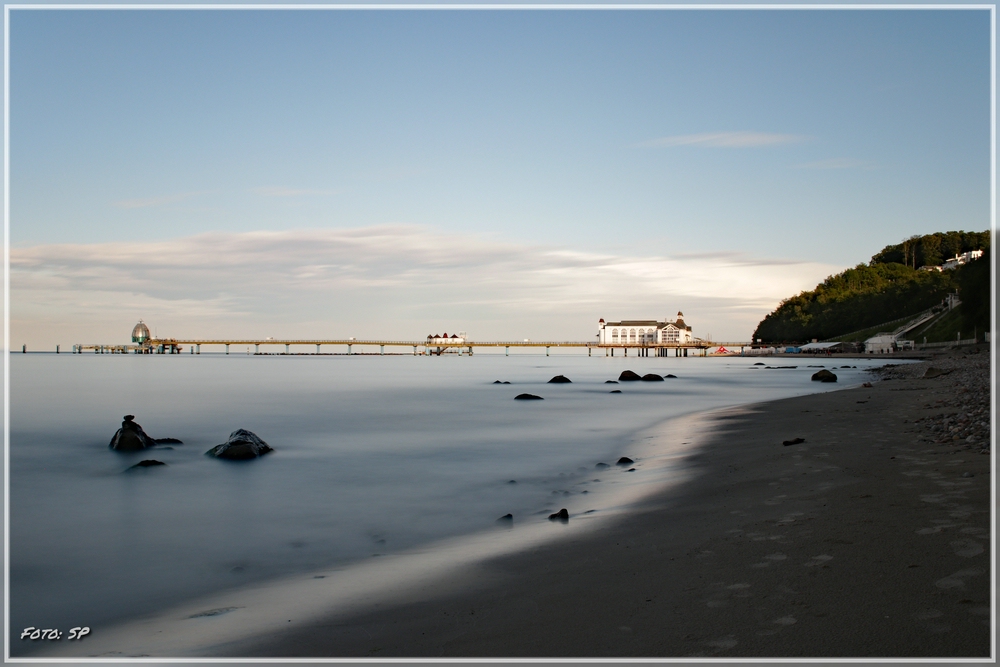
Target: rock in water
528, 397
624, 461
148, 463
629, 376
242, 445
561, 515
130, 437
652, 377
824, 376
611, 382
559, 379
168, 441
615, 391
669, 375
793, 441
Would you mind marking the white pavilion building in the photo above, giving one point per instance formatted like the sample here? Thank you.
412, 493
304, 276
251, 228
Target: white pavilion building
645, 332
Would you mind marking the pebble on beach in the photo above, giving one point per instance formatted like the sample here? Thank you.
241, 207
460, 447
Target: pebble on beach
561, 515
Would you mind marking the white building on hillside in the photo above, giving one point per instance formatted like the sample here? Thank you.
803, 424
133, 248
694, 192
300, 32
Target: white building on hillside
645, 332
964, 258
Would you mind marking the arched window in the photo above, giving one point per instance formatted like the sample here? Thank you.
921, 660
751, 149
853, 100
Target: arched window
631, 335
614, 335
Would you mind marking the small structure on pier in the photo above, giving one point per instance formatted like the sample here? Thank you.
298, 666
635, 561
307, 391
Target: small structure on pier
645, 332
140, 333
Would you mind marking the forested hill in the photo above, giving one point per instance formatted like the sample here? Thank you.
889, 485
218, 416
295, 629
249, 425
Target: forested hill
874, 293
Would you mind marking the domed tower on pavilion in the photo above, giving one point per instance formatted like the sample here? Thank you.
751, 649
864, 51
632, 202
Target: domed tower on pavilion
140, 333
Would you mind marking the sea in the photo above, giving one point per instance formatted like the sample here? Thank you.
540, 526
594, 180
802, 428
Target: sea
373, 455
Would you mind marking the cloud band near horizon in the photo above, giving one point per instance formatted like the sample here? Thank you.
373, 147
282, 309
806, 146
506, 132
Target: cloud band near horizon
388, 281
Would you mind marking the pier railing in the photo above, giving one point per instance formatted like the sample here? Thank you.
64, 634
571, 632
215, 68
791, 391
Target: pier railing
176, 345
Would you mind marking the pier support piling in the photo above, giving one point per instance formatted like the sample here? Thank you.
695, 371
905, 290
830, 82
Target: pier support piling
197, 348
317, 348
546, 351
414, 350
227, 348
381, 349
348, 349
286, 348
506, 351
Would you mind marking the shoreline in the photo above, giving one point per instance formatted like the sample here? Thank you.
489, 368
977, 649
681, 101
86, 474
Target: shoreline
870, 539
567, 596
206, 625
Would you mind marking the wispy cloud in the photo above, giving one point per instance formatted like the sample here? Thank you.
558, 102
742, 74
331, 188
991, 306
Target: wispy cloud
836, 163
290, 192
154, 201
725, 140
397, 277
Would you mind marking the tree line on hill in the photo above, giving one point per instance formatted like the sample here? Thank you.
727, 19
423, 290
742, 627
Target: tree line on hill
887, 288
931, 249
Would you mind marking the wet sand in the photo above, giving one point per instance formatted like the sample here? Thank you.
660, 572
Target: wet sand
869, 539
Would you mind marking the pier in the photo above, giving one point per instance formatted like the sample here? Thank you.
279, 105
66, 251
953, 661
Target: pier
422, 347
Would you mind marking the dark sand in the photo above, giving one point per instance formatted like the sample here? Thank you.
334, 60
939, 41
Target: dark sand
869, 539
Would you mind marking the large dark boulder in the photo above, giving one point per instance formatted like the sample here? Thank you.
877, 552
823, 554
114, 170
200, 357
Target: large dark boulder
528, 397
652, 377
824, 376
130, 437
629, 376
559, 379
242, 445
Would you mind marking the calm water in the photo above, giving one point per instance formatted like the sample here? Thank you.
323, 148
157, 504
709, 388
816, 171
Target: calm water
372, 455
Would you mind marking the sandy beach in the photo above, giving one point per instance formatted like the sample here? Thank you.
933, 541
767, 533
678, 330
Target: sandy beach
869, 539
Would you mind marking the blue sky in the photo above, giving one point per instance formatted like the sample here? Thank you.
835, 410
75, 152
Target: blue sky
706, 161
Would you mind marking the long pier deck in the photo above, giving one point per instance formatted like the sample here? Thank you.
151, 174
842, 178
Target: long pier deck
177, 345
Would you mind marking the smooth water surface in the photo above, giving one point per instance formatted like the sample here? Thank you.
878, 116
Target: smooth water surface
372, 455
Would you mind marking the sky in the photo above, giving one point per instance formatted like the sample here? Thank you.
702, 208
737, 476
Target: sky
509, 173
